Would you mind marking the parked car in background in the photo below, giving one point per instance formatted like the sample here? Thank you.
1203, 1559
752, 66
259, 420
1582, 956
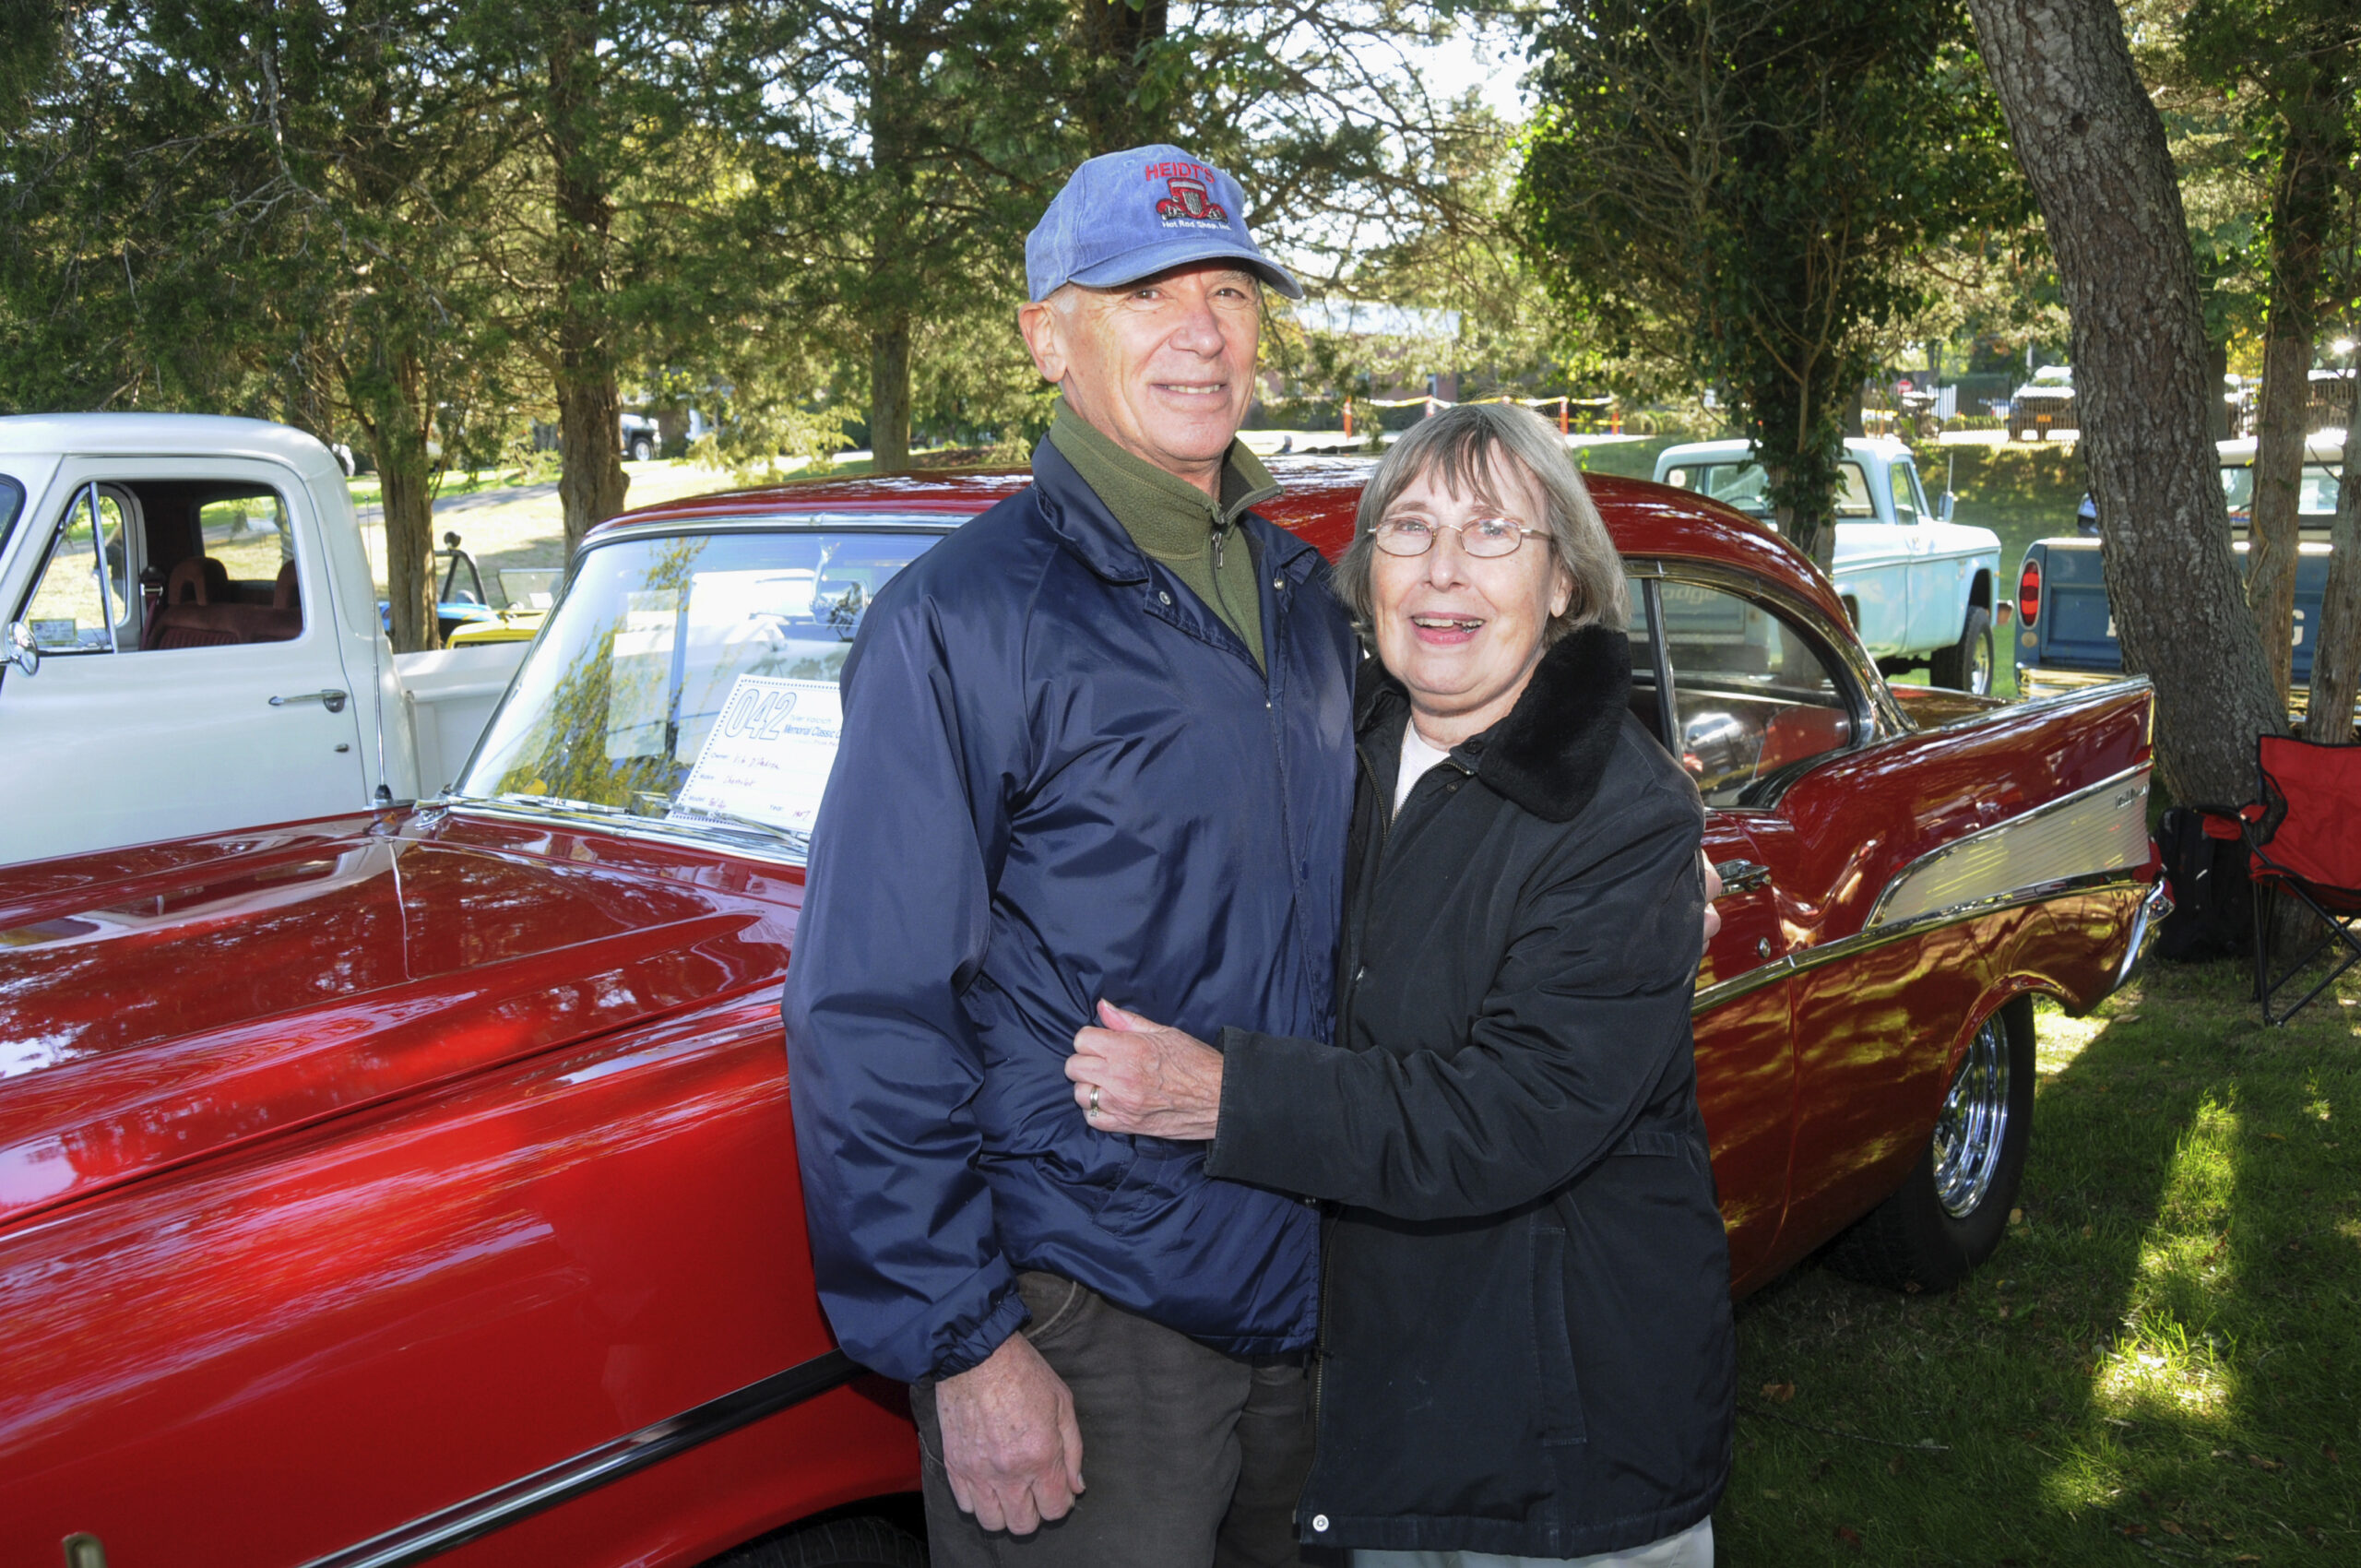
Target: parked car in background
1919, 587
193, 639
386, 1182
641, 437
2066, 637
2043, 404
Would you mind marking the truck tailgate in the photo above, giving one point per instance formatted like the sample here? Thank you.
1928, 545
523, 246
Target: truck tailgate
451, 694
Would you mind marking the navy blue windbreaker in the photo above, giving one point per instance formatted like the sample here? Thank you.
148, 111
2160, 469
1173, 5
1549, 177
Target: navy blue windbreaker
1062, 777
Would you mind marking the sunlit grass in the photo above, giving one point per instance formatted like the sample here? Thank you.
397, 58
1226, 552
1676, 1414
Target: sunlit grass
2160, 1364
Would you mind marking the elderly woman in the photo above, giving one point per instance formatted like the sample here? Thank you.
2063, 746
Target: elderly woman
1525, 1348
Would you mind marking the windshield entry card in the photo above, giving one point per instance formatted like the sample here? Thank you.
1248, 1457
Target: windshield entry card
768, 756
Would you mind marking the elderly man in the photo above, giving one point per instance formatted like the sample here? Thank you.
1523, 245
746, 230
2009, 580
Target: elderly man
1096, 744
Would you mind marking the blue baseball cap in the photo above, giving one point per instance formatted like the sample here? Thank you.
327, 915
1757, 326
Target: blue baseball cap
1125, 216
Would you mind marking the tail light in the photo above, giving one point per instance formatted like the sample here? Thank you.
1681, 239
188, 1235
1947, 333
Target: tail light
2029, 593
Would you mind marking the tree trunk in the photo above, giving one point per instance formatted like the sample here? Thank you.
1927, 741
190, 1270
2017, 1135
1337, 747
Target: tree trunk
591, 482
1113, 33
2093, 147
2336, 657
2303, 198
889, 395
394, 408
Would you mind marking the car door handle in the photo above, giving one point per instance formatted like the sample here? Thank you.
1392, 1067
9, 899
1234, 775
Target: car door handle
1742, 876
332, 700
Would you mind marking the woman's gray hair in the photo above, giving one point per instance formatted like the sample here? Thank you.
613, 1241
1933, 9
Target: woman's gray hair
1463, 449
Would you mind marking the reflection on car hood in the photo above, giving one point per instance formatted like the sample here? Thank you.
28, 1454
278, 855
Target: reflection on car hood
166, 1003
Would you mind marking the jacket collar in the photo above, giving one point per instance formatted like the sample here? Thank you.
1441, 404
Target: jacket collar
1089, 528
1548, 754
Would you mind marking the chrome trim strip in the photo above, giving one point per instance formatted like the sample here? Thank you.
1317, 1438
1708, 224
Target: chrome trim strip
648, 828
790, 522
479, 1516
1918, 925
2131, 785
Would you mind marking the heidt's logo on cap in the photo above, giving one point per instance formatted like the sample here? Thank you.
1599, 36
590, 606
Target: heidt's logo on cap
1191, 201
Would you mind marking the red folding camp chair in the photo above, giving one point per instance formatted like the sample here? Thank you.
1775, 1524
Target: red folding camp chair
2304, 838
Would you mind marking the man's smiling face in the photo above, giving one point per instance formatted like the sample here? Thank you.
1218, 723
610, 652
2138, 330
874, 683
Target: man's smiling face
1164, 367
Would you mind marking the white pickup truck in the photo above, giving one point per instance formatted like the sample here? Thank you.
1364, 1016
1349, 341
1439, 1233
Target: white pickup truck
1918, 586
193, 641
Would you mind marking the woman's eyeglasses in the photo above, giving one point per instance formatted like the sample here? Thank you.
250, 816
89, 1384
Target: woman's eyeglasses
1485, 538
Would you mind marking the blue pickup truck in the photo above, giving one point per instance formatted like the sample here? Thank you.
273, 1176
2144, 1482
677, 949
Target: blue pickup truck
2065, 628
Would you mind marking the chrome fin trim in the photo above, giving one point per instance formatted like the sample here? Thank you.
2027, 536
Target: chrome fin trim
2100, 828
449, 1528
2130, 879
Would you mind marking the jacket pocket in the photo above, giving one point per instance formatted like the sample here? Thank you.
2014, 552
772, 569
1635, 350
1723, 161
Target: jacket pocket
1561, 1395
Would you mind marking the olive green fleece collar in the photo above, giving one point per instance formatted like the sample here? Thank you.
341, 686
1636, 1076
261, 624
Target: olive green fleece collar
1166, 515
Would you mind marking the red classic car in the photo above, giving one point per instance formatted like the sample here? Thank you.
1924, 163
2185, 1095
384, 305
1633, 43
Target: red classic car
419, 1185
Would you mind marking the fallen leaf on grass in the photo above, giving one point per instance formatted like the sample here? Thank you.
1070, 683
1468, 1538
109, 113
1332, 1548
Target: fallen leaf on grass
1894, 1466
2089, 1231
2016, 1216
2328, 1452
2246, 1557
1849, 1536
2259, 1463
1779, 1392
2135, 1529
2173, 1529
2276, 1138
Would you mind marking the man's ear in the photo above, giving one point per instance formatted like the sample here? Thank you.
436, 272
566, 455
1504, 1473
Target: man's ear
1042, 325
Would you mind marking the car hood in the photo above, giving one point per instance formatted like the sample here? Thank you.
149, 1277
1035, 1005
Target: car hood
162, 1004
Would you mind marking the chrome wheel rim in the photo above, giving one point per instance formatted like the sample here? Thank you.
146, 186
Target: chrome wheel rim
1973, 1125
1979, 673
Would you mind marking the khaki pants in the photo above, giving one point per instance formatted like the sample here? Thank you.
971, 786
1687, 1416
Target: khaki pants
1191, 1458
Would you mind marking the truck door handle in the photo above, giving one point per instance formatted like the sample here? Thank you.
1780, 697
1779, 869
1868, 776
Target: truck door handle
1742, 876
332, 701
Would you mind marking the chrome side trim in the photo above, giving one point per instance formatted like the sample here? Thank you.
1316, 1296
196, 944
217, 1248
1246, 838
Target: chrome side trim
479, 1516
1875, 937
2101, 827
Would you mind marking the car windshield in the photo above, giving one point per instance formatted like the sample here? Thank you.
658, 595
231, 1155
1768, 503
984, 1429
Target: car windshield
2316, 496
1747, 486
11, 501
691, 682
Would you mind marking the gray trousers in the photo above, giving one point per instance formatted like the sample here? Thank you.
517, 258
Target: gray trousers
1191, 1458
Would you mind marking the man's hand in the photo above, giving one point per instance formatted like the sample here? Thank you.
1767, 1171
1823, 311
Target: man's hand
1713, 890
1009, 1439
1138, 1076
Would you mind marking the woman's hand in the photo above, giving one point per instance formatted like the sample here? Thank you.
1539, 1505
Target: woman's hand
1138, 1076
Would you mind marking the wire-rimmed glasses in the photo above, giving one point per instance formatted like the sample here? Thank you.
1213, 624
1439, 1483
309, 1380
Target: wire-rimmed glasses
1484, 538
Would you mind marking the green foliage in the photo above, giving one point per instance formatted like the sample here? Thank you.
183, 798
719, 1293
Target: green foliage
1747, 184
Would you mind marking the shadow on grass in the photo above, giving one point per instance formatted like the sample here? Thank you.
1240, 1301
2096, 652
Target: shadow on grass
2157, 1365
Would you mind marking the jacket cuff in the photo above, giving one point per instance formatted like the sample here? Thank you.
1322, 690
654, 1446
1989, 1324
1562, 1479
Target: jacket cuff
1006, 1315
1257, 1088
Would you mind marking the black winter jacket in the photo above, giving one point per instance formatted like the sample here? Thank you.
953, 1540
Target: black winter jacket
1525, 1336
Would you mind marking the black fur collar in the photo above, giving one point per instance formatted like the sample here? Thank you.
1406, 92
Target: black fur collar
1548, 754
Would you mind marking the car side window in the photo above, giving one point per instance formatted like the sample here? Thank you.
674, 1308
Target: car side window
1754, 697
82, 603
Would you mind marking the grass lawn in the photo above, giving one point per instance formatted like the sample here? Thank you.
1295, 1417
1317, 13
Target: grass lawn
2159, 1365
